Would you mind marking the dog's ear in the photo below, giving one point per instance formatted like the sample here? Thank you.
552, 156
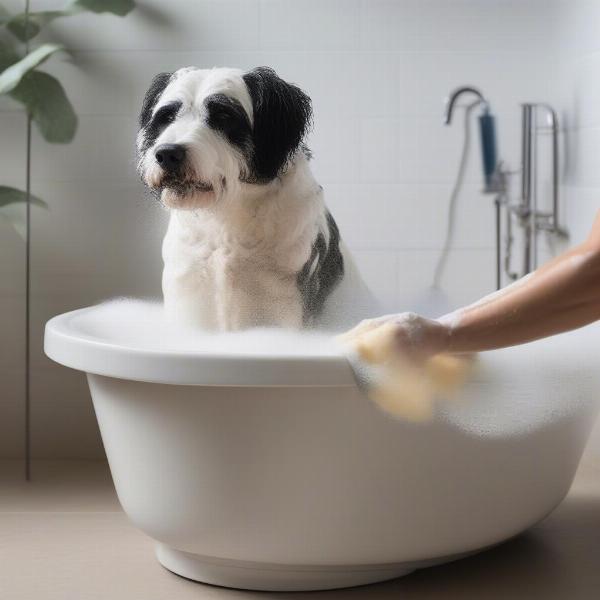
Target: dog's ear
159, 83
282, 117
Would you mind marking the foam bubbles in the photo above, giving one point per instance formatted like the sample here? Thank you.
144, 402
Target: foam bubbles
142, 324
520, 390
513, 392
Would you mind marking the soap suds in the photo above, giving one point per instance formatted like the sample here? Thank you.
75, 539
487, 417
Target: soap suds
511, 392
401, 387
410, 322
138, 323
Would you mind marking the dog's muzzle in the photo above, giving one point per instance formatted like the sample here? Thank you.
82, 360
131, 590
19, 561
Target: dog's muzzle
175, 174
170, 157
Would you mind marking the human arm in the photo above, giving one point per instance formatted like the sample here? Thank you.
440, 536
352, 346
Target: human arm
563, 294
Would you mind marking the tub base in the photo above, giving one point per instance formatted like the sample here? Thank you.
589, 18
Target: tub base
275, 578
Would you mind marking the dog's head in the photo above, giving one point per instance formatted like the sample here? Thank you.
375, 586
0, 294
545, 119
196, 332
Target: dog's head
204, 132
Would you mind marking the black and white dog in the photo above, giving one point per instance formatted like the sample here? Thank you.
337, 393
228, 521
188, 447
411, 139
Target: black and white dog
250, 241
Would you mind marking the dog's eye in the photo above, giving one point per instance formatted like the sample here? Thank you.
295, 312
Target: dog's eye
220, 113
222, 118
165, 114
227, 116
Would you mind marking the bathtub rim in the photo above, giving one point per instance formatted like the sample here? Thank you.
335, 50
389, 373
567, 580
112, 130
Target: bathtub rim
68, 345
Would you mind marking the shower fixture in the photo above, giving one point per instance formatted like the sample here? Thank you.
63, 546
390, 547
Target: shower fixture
487, 131
532, 218
525, 212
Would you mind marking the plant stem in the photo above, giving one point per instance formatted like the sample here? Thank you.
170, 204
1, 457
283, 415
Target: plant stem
27, 279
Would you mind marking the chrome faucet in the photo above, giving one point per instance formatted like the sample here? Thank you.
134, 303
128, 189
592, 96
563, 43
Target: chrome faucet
535, 220
529, 217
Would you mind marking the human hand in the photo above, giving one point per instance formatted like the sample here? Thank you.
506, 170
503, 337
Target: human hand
406, 335
412, 369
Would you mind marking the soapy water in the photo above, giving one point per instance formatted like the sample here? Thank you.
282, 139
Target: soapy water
516, 391
142, 323
510, 392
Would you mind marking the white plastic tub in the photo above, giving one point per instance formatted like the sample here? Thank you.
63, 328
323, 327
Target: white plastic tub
261, 469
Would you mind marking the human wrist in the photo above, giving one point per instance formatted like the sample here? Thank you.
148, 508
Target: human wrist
442, 337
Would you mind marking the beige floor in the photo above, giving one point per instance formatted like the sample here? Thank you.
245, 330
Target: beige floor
64, 537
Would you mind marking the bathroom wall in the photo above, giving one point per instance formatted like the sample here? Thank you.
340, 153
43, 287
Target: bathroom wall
377, 71
577, 95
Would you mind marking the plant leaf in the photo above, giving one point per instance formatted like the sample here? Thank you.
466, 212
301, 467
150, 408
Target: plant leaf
10, 77
23, 27
11, 209
11, 195
116, 7
48, 105
26, 27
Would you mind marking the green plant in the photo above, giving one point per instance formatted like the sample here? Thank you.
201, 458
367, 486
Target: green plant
46, 104
42, 95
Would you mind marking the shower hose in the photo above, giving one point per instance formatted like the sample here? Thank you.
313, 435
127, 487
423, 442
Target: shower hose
452, 204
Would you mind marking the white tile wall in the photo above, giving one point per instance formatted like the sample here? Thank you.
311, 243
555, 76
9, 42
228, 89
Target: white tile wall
377, 71
163, 26
576, 92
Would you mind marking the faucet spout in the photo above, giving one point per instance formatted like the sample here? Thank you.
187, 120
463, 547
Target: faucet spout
453, 97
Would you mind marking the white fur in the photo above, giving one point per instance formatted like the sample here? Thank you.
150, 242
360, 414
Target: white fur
236, 266
232, 255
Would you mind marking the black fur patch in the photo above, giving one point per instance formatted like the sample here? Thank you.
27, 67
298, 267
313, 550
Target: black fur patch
158, 85
163, 117
321, 272
282, 117
227, 115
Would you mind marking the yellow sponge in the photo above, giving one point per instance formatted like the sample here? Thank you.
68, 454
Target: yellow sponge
403, 387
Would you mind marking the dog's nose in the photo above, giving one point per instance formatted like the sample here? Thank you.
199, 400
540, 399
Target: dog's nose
170, 156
